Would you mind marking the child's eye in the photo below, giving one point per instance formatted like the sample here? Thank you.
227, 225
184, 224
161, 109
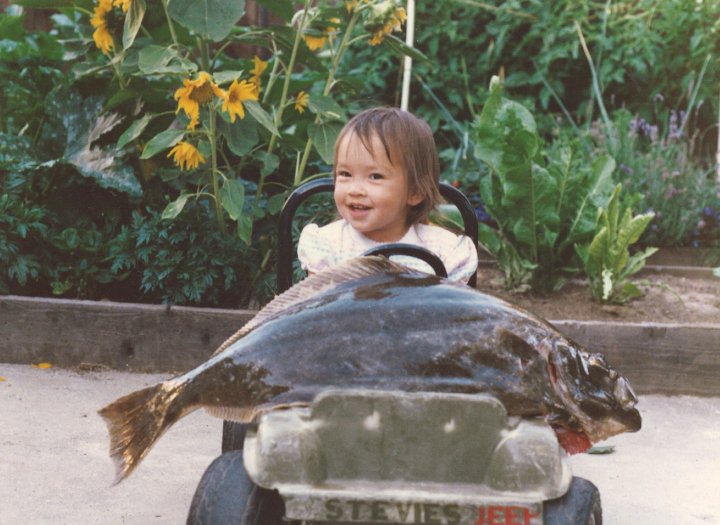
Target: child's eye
376, 176
343, 174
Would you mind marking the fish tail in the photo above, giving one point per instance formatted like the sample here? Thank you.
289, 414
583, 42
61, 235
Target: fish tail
137, 420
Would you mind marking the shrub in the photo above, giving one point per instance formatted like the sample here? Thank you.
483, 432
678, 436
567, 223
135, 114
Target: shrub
544, 202
659, 168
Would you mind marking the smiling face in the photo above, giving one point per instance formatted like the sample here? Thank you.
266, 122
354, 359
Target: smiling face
371, 193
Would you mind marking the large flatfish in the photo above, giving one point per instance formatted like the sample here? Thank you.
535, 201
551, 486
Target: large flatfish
373, 324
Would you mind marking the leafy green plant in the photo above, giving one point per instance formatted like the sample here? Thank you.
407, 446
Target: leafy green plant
157, 106
20, 226
607, 260
544, 202
233, 119
641, 49
188, 261
662, 174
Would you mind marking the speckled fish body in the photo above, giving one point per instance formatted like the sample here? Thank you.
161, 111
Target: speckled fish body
375, 325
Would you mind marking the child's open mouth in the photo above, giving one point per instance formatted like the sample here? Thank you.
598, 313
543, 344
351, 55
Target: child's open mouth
358, 211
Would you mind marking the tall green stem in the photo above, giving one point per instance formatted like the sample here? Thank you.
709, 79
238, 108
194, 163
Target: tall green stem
288, 75
214, 170
286, 88
328, 86
170, 24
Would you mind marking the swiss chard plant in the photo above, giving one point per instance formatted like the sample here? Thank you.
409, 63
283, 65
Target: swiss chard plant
607, 260
544, 200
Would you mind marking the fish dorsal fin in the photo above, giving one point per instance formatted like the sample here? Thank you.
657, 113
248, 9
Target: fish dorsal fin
347, 271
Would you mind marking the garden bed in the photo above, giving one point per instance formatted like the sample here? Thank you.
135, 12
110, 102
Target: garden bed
678, 285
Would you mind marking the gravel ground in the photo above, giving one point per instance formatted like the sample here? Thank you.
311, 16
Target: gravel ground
55, 469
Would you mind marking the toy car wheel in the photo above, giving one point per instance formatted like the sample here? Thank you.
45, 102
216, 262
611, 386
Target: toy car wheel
580, 505
227, 496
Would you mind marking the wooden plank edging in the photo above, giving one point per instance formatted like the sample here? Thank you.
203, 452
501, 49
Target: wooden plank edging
670, 359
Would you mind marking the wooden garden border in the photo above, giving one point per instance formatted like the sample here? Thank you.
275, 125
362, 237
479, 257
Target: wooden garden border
670, 359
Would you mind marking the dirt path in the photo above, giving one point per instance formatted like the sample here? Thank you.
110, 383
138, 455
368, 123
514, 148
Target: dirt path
55, 468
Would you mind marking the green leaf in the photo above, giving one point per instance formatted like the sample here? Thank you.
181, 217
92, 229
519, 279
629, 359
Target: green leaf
261, 116
174, 208
282, 8
241, 136
399, 47
245, 228
86, 124
162, 141
157, 60
270, 163
133, 22
627, 292
135, 130
275, 203
210, 19
326, 107
636, 262
324, 137
225, 77
232, 197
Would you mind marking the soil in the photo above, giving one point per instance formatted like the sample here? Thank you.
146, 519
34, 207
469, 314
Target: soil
666, 299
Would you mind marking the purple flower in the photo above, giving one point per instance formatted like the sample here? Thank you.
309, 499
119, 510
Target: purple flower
707, 211
627, 169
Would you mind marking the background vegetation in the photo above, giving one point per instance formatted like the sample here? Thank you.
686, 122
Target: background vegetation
92, 207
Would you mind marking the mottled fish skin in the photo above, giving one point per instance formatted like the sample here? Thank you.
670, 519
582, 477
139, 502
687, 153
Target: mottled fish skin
375, 325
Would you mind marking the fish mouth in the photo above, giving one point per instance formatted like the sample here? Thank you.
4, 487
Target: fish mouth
600, 400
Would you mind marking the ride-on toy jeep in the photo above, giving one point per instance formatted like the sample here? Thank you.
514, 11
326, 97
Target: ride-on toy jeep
371, 457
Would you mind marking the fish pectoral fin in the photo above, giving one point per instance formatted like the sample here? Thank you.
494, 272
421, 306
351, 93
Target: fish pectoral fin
236, 414
249, 414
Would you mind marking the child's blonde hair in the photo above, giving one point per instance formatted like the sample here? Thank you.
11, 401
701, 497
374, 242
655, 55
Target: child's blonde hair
407, 140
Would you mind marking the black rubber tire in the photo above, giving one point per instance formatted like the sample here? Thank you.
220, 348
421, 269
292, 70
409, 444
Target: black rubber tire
227, 496
579, 506
233, 436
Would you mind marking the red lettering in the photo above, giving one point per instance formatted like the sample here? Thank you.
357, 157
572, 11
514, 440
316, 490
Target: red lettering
481, 516
495, 514
505, 515
511, 513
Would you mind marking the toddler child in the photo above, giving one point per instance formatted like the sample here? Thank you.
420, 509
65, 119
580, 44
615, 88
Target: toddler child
387, 177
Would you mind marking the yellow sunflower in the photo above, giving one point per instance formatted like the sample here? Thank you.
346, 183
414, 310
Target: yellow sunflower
354, 5
186, 156
259, 66
319, 37
385, 19
301, 101
237, 93
315, 42
103, 22
258, 69
196, 92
